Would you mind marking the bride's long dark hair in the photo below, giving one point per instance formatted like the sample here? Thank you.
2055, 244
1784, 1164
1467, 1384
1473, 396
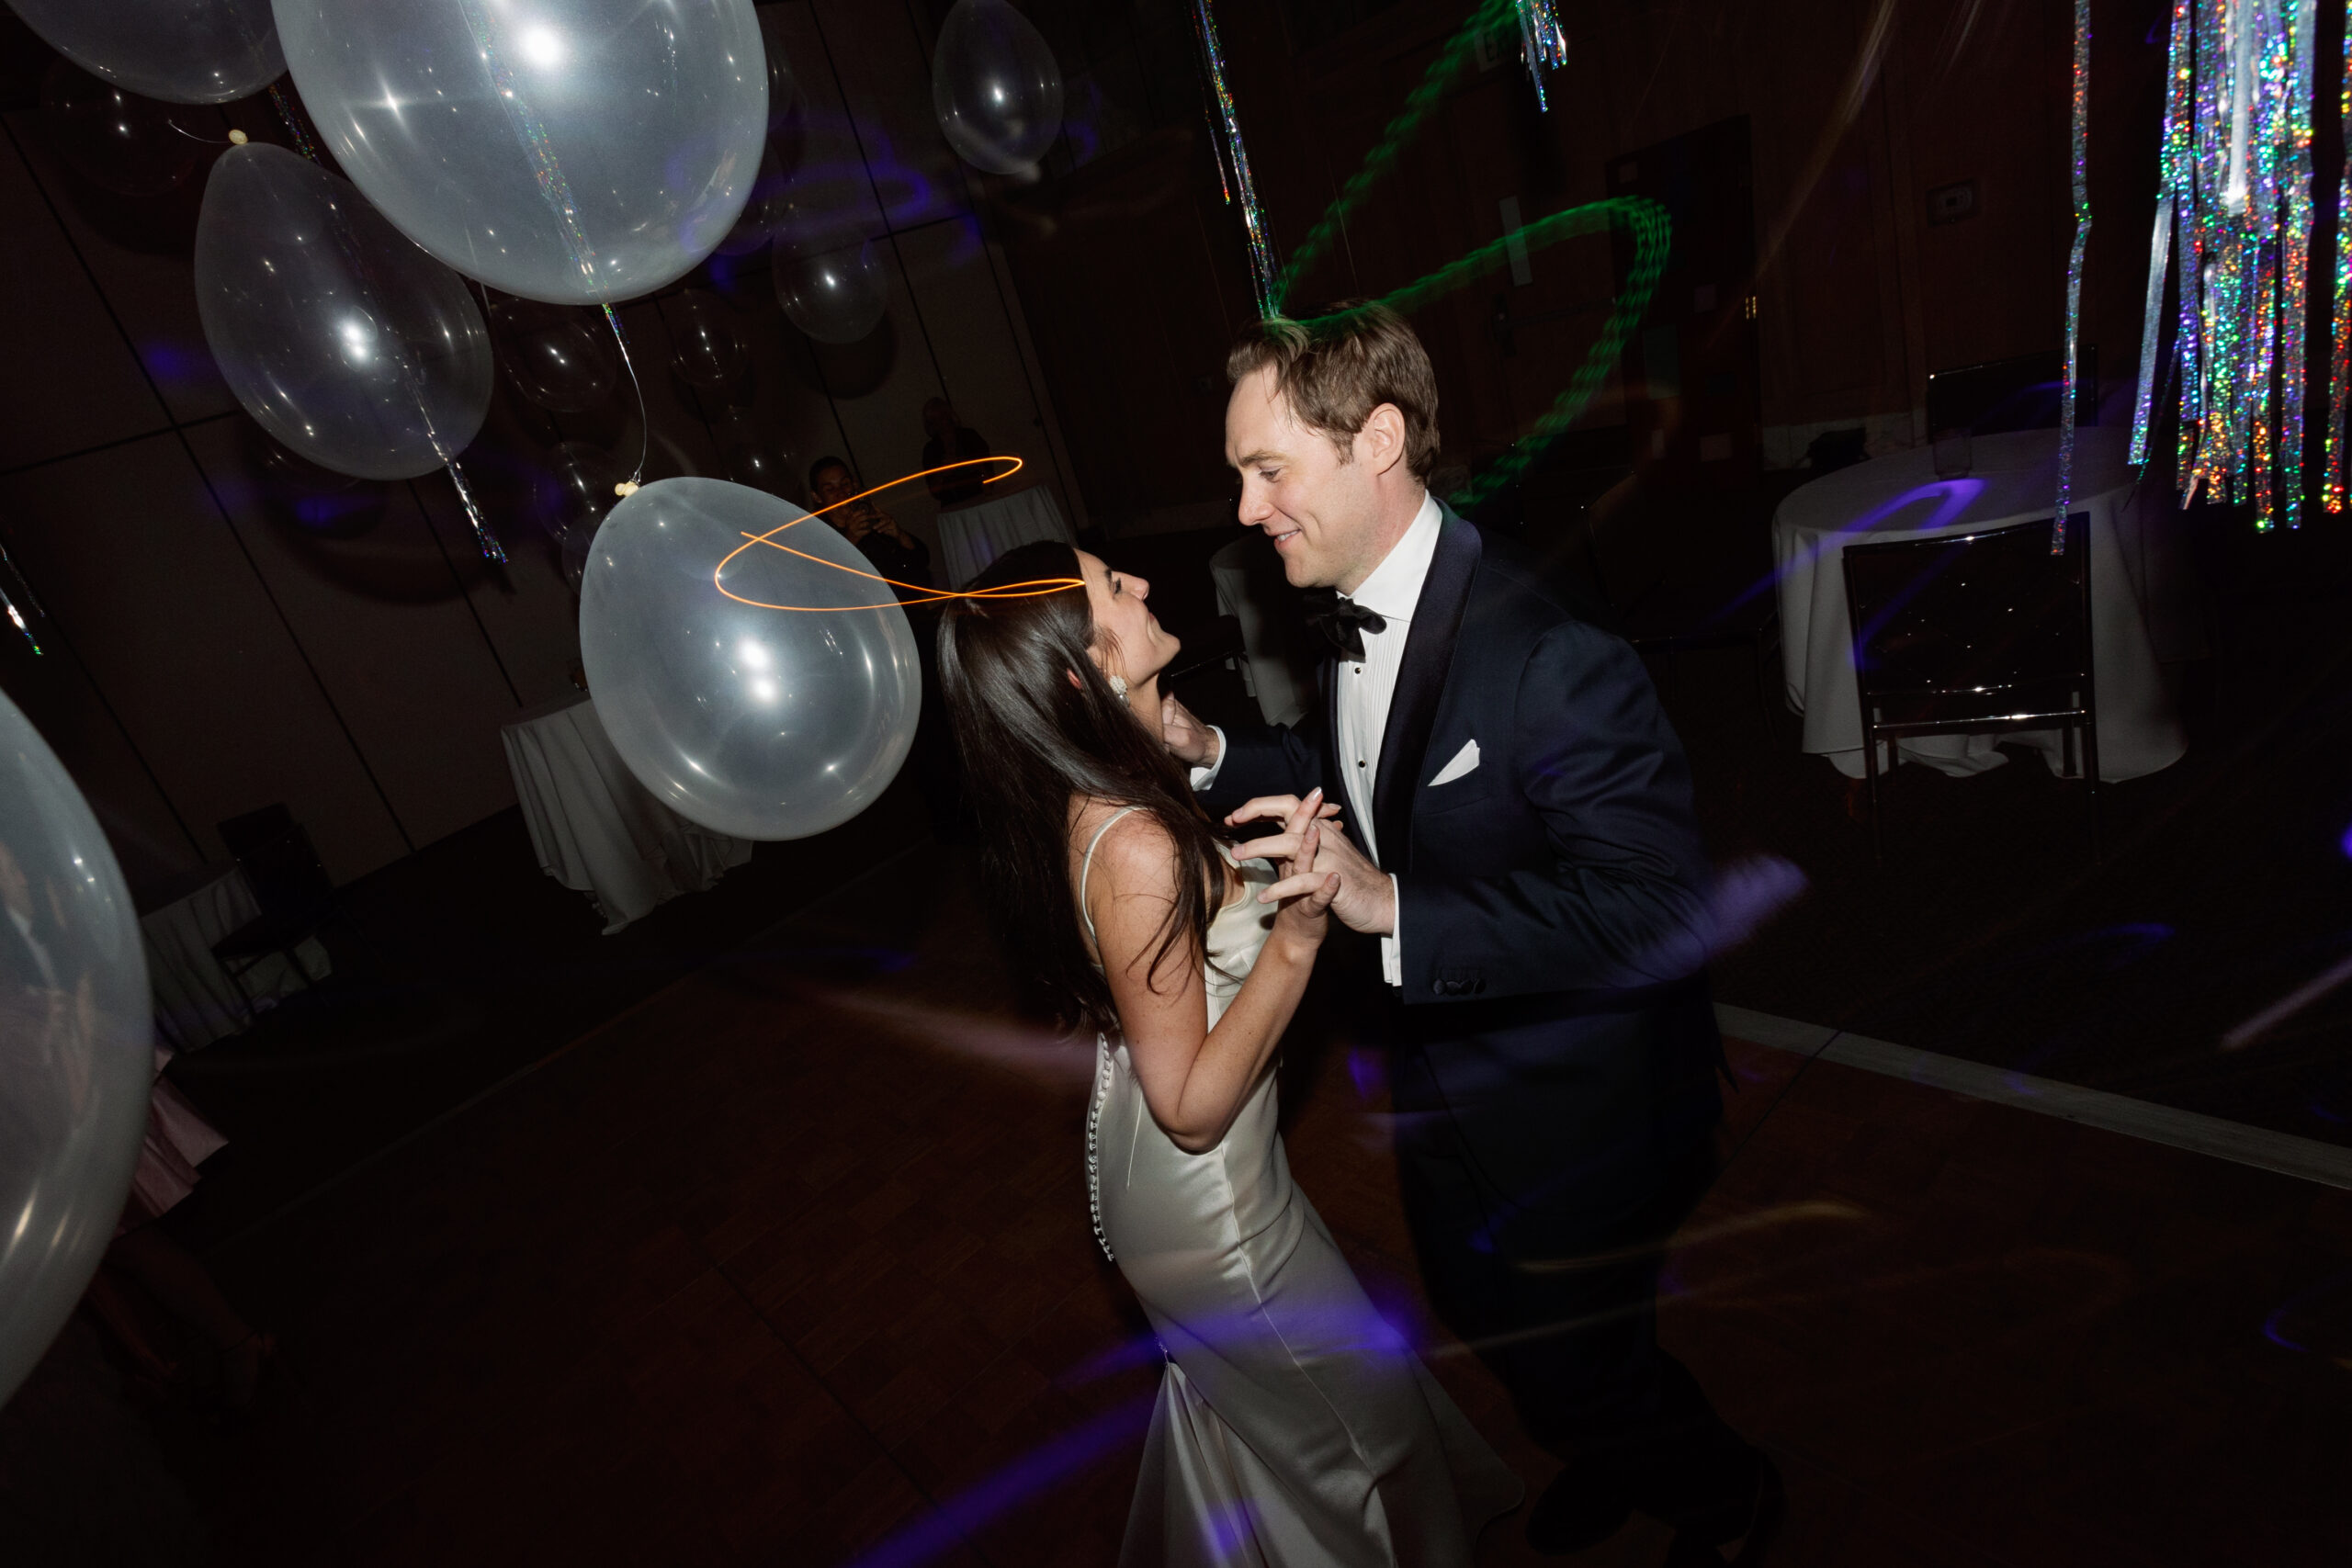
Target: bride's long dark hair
1031, 742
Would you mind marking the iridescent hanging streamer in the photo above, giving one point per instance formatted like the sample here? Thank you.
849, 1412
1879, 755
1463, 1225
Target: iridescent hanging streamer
1543, 43
2074, 275
490, 548
17, 616
1225, 118
2339, 380
531, 132
2235, 177
293, 119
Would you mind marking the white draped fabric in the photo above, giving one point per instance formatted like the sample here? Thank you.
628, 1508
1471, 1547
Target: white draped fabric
196, 1002
2011, 479
596, 830
971, 537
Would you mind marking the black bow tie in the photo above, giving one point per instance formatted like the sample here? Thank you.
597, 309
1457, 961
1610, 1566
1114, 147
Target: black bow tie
1342, 620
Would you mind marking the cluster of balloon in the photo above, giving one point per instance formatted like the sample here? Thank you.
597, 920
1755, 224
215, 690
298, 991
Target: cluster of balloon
995, 88
572, 151
184, 51
341, 338
573, 493
752, 455
113, 138
835, 297
75, 1045
704, 348
755, 721
559, 358
771, 205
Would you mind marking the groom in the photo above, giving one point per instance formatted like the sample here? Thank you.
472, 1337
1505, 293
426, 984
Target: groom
1536, 883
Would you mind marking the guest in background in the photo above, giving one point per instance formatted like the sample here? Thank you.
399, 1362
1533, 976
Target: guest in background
903, 558
951, 443
896, 554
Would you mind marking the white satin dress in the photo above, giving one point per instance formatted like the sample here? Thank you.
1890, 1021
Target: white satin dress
1294, 1428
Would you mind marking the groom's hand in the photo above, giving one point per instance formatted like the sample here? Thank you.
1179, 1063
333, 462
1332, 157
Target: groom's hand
1367, 897
1188, 740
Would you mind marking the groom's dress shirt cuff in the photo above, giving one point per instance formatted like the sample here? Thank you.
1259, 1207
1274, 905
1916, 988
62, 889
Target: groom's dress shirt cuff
1392, 946
1205, 778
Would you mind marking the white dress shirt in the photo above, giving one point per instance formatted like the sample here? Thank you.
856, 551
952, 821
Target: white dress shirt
1363, 690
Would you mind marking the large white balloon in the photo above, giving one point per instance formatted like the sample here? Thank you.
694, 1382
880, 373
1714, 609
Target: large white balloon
184, 51
995, 88
347, 342
75, 1045
759, 722
568, 151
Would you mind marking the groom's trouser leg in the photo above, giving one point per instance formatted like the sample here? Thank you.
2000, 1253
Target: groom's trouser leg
1540, 1237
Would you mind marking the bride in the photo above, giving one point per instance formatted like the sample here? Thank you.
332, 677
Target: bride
1292, 1426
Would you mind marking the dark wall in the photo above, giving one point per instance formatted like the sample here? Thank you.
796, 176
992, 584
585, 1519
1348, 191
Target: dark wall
210, 650
1856, 110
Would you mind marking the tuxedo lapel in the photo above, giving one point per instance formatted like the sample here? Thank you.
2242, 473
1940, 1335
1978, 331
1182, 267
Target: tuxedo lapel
1420, 681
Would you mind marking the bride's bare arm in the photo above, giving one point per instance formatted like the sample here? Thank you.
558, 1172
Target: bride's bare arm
1196, 1078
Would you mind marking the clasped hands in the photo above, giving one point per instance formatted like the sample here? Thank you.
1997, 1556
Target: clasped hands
1367, 897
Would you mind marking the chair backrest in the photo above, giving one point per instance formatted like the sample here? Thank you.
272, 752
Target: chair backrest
1979, 622
2010, 394
279, 862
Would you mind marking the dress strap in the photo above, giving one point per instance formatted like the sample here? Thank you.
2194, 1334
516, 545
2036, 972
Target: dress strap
1086, 866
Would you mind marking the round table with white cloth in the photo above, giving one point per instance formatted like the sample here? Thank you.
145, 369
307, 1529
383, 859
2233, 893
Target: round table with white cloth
2012, 478
596, 830
196, 1002
971, 537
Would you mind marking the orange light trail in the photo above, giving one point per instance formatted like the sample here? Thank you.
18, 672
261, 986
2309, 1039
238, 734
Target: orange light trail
928, 596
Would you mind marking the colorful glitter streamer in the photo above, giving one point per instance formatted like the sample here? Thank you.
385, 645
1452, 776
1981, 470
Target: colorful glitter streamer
490, 548
1543, 43
17, 616
1253, 216
2339, 380
293, 119
2075, 274
2234, 176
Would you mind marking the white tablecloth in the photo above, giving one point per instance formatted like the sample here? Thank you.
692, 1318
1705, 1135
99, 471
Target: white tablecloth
596, 828
1279, 668
196, 1002
2012, 478
971, 537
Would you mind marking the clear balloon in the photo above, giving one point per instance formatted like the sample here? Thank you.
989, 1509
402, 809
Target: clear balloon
347, 342
995, 88
575, 488
76, 1051
184, 51
560, 357
704, 348
571, 151
752, 455
837, 296
116, 139
756, 722
780, 153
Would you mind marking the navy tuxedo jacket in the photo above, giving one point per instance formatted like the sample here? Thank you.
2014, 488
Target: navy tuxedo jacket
1568, 862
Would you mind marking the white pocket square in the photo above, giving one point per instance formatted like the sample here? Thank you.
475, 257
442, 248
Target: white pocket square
1466, 762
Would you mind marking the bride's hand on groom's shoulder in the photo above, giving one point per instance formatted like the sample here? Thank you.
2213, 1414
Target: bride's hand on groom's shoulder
1366, 900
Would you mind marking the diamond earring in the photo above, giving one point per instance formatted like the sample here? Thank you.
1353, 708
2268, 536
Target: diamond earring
1119, 685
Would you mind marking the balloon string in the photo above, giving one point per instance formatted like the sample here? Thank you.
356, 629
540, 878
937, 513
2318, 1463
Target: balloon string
234, 138
490, 548
644, 426
286, 112
926, 593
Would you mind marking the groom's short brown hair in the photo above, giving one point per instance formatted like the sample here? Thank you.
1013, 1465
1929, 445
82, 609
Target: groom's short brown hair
1340, 364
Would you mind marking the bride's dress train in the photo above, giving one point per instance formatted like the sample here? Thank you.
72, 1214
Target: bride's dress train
1294, 1428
